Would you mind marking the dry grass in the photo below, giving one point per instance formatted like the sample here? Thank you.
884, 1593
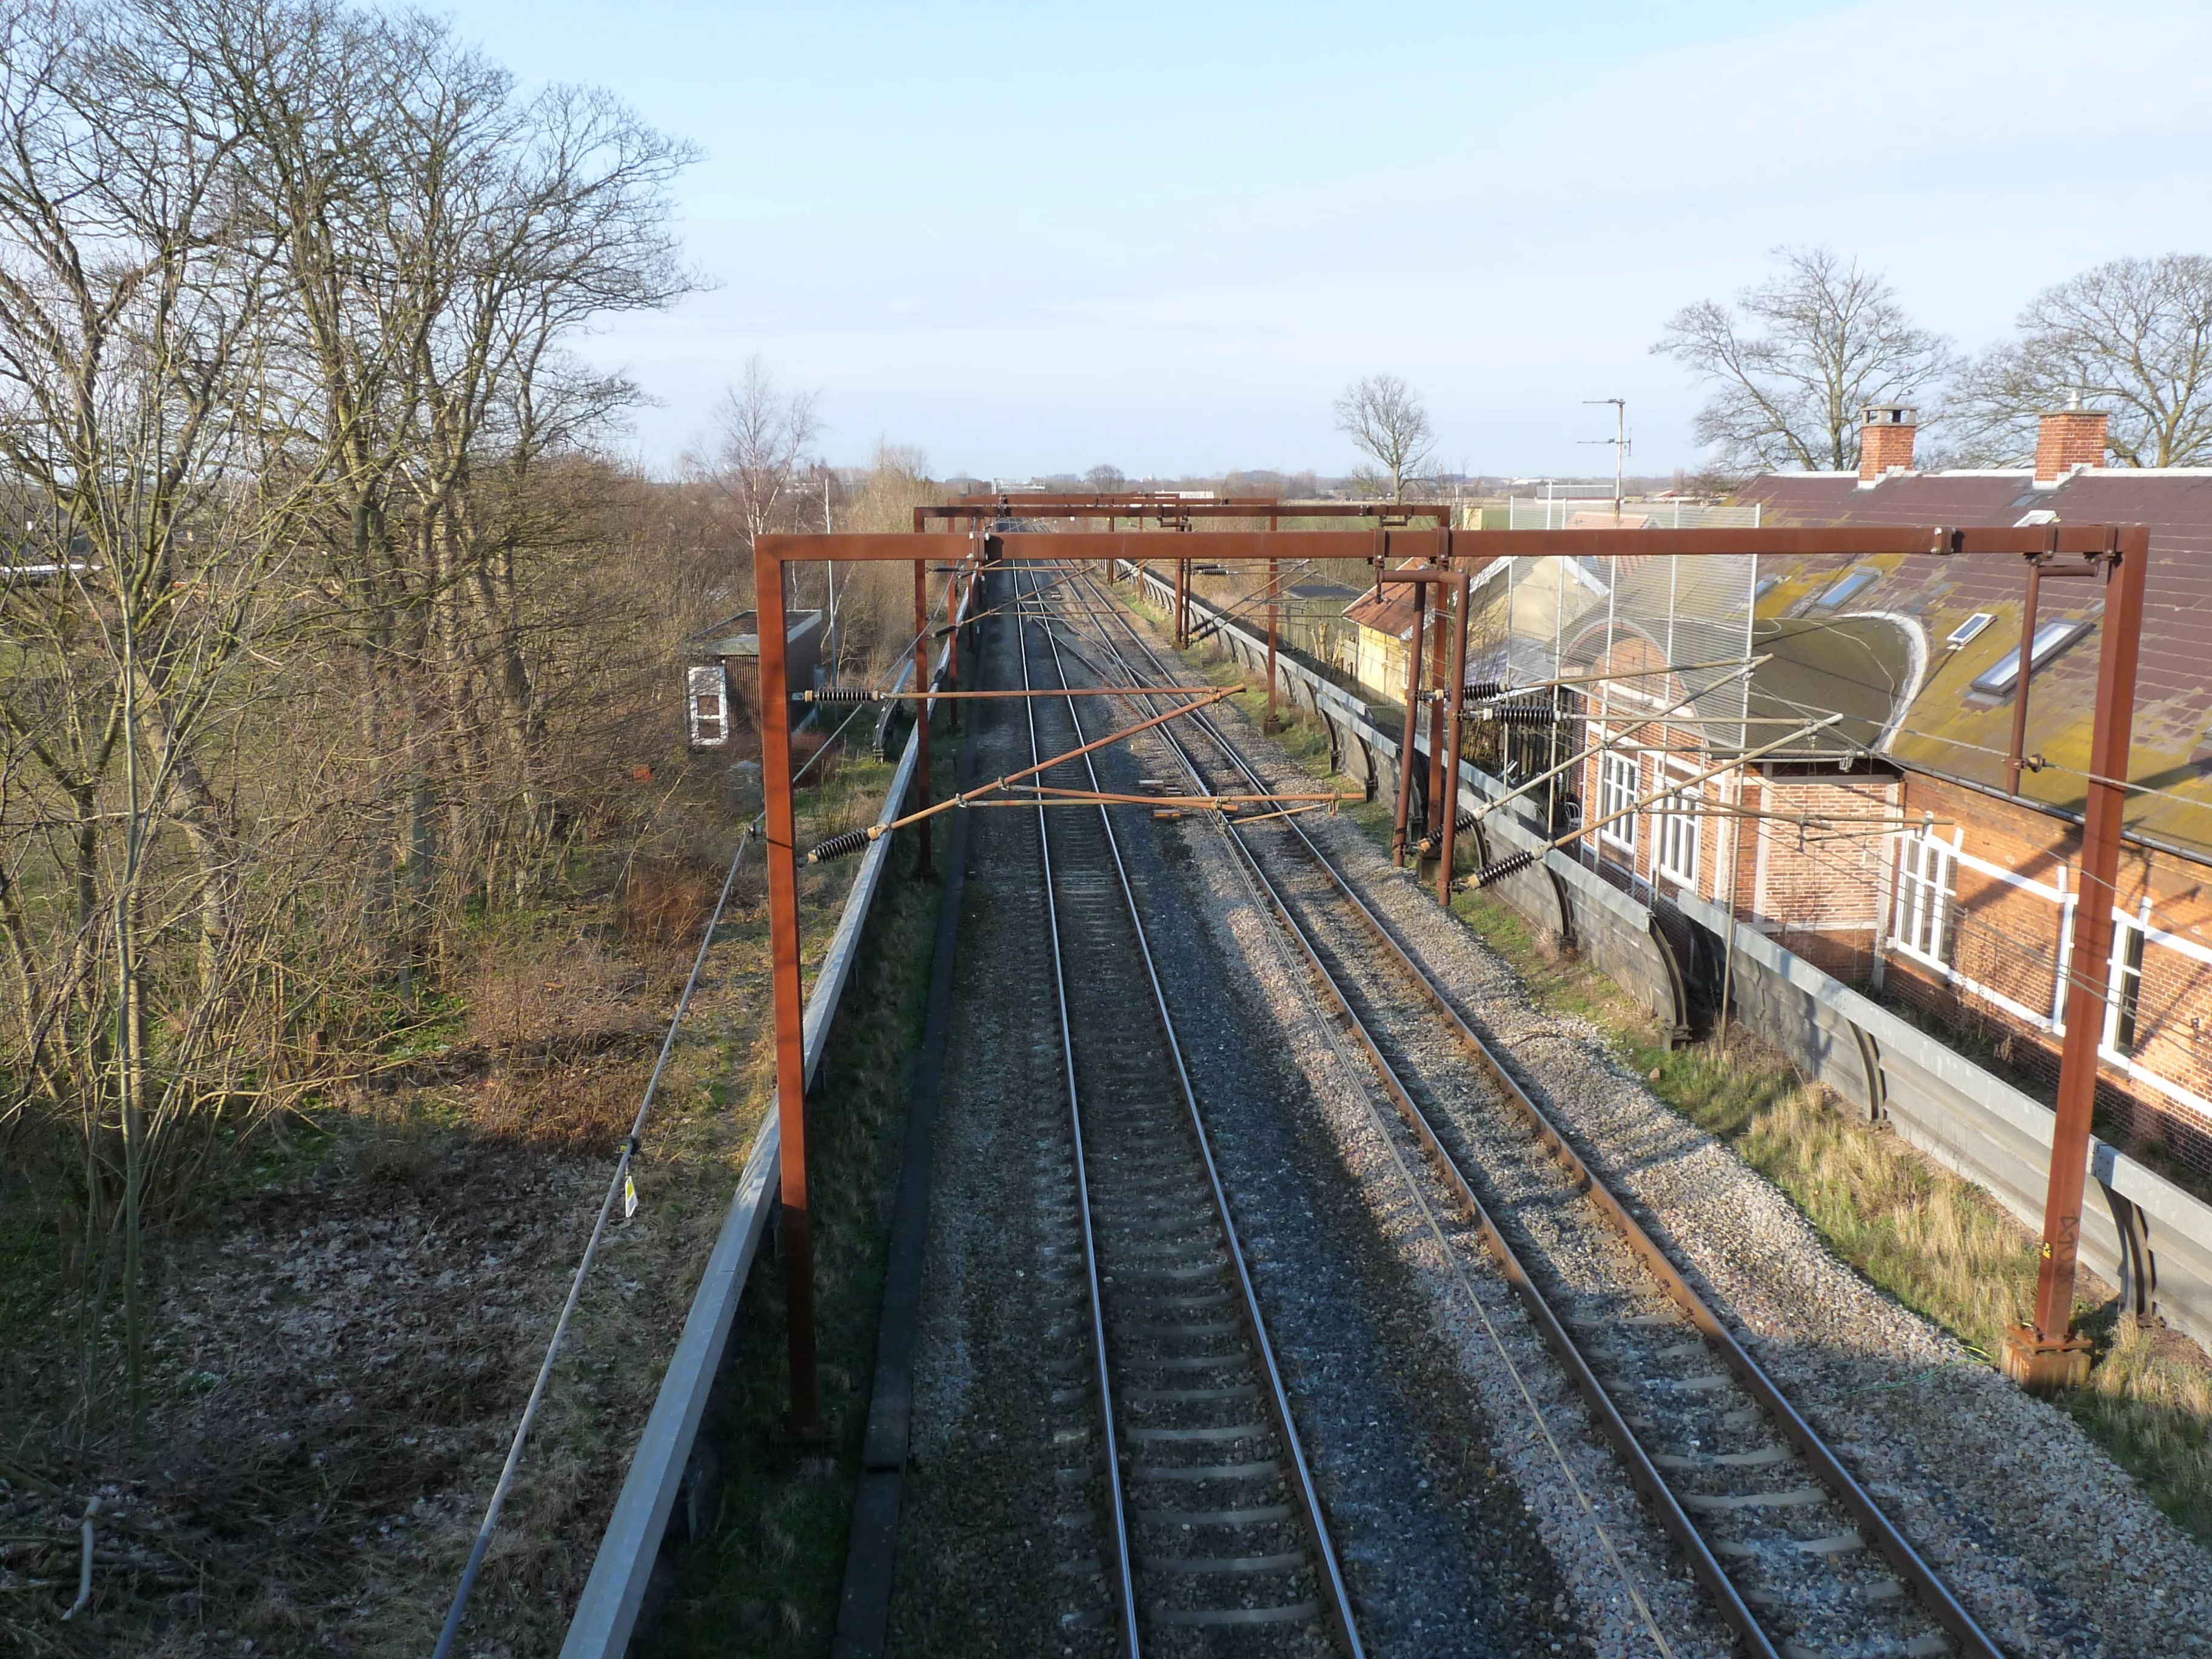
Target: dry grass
345, 1335
2149, 1403
1943, 1248
1939, 1244
664, 901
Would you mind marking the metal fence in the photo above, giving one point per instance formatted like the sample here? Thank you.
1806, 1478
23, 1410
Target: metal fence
1563, 507
1940, 921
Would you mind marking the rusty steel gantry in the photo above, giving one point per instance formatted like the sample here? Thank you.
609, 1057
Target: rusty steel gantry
1444, 558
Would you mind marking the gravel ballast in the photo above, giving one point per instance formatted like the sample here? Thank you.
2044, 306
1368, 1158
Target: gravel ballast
1440, 1552
2052, 1547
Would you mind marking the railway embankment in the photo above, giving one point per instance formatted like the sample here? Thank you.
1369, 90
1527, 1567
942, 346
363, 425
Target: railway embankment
351, 1318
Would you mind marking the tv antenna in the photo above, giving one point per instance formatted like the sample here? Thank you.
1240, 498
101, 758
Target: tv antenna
1620, 446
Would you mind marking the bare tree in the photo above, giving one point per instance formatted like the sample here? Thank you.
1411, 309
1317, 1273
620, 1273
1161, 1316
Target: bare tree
1106, 479
875, 599
440, 238
765, 434
1796, 360
2133, 337
1381, 413
137, 609
284, 293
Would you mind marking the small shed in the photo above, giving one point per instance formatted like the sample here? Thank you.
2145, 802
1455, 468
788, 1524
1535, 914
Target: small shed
1375, 652
722, 684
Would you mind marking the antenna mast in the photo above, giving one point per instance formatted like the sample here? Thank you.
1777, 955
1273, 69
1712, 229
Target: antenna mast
1619, 442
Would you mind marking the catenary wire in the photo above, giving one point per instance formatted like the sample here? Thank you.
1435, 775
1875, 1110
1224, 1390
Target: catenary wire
1434, 1226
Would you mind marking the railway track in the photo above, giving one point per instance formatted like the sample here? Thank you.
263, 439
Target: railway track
1793, 1553
1192, 1516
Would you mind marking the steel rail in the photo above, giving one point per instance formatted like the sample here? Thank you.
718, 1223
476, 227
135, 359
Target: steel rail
860, 694
1704, 1565
1125, 1576
1932, 1591
1338, 1601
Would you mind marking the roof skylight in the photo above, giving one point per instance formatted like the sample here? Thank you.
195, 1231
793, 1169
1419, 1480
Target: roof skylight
2050, 638
1966, 631
1847, 590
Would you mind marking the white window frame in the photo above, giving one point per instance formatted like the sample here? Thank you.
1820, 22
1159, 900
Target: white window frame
1620, 782
1927, 888
1967, 631
2131, 937
1678, 831
2067, 900
707, 706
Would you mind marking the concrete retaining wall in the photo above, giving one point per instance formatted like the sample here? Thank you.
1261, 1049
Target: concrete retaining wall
2152, 1238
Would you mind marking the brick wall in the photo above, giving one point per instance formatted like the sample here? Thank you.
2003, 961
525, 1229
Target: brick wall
2004, 948
1818, 888
1883, 446
1829, 892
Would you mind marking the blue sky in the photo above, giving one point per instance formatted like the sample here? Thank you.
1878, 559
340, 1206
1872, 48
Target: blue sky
1031, 238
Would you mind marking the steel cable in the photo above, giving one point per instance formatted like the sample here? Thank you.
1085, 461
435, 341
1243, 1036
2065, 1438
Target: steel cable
623, 1167
467, 1586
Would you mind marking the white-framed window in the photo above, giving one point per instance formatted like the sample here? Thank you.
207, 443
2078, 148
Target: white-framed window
1677, 852
1924, 871
1617, 779
2124, 983
708, 706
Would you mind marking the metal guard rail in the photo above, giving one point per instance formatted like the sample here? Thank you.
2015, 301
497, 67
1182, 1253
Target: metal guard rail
606, 1612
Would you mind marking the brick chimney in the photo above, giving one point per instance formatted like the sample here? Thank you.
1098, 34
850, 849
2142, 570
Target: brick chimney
2067, 438
1885, 441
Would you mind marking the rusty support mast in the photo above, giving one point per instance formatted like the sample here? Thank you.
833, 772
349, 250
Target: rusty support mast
2049, 1354
1445, 555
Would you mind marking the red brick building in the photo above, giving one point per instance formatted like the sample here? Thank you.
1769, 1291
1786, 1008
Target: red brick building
1894, 847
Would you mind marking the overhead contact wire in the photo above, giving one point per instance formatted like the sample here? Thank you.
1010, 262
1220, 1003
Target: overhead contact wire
1421, 1197
1124, 1572
1329, 1569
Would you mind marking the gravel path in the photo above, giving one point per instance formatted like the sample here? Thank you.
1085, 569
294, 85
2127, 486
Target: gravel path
2052, 1549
